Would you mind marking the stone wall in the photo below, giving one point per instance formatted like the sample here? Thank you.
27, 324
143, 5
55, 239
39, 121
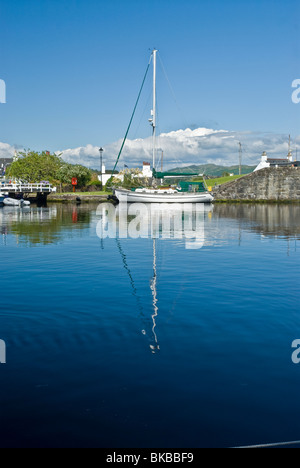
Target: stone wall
276, 184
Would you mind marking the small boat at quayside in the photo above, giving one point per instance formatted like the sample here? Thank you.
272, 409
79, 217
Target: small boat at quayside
14, 202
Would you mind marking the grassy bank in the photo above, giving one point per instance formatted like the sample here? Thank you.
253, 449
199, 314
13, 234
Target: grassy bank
220, 180
85, 194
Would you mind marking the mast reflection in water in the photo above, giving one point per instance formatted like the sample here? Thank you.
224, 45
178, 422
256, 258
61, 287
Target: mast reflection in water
176, 332
156, 221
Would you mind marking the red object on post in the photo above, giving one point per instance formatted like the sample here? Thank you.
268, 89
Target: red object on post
74, 183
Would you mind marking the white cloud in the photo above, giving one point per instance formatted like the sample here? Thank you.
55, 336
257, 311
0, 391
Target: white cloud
181, 148
6, 150
186, 147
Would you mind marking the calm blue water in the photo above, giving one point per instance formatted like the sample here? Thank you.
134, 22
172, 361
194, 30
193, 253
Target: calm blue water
135, 343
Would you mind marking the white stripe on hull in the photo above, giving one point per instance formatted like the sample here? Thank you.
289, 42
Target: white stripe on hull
143, 197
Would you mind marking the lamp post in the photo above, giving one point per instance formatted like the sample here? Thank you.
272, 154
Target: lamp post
101, 160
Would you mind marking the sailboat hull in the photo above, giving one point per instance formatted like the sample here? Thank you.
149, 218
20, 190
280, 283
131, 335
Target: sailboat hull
156, 197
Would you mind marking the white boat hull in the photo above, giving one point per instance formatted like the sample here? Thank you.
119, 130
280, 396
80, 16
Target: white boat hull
14, 202
157, 197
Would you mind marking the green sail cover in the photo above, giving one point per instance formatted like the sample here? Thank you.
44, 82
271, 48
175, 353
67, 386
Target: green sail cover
162, 175
192, 187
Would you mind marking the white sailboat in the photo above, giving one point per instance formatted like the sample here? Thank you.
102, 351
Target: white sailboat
146, 195
170, 195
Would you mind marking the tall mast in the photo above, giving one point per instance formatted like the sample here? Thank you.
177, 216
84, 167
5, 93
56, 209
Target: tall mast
154, 107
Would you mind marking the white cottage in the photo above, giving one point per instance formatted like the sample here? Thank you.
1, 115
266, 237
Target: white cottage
267, 162
146, 173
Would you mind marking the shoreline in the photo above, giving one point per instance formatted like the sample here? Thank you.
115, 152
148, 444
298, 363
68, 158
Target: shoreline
92, 198
73, 198
258, 202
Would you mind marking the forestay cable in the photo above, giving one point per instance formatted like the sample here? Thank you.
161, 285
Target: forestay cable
133, 113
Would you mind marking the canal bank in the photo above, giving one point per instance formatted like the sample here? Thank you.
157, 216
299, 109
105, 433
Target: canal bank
269, 185
78, 197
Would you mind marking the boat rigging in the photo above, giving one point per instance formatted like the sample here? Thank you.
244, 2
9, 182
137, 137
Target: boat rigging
191, 193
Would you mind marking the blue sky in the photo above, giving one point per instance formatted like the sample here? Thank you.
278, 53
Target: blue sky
73, 68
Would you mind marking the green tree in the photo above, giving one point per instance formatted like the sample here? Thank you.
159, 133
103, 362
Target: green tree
68, 171
34, 167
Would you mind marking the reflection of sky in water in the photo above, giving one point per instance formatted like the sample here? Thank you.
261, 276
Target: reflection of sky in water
121, 341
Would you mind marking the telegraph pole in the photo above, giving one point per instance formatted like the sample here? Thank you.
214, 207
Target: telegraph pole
101, 164
240, 158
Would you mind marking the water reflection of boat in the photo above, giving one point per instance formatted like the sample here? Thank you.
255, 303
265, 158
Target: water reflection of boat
148, 330
155, 221
153, 285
